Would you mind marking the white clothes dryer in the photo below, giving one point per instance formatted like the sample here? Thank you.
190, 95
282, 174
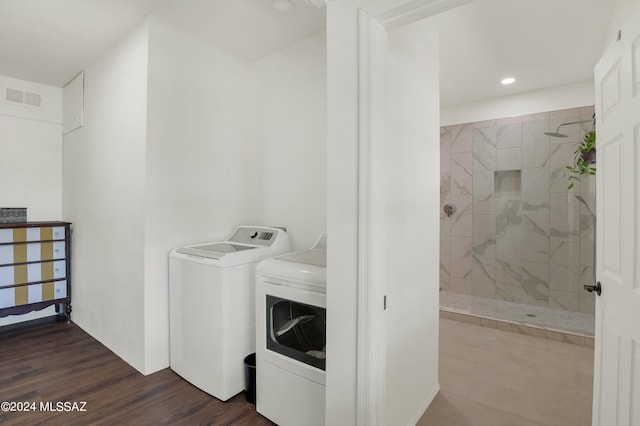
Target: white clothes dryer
291, 305
212, 307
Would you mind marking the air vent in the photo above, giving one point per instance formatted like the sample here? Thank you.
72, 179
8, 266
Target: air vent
32, 99
24, 98
14, 95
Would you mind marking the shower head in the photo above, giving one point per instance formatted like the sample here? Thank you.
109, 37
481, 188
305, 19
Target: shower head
557, 133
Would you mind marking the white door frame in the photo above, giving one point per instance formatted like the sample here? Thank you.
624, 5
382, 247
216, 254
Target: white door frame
351, 225
374, 22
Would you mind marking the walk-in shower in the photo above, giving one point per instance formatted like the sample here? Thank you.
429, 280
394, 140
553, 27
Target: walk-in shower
516, 244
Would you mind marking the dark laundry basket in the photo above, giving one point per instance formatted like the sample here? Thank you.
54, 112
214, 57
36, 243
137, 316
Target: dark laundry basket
250, 378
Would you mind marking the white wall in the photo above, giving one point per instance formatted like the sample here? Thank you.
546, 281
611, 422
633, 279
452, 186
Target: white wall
104, 193
175, 151
342, 211
31, 151
549, 99
203, 171
290, 104
31, 167
410, 234
31, 160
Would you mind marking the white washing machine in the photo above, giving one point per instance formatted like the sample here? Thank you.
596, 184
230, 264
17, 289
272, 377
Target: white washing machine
212, 307
291, 303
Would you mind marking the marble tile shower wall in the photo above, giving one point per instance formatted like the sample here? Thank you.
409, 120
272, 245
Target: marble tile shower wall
517, 233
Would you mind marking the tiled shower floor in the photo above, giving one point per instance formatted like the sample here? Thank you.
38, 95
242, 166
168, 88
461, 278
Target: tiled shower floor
548, 318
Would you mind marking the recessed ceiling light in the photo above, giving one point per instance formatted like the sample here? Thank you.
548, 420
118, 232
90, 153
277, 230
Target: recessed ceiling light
283, 5
508, 80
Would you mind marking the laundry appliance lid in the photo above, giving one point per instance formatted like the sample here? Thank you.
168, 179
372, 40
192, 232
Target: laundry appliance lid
304, 269
247, 244
317, 257
215, 250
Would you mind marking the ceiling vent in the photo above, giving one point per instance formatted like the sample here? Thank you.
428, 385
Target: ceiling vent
25, 98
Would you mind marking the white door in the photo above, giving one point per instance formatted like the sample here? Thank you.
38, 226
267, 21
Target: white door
616, 397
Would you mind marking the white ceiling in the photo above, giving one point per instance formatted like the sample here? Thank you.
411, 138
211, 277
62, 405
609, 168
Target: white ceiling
249, 28
51, 41
542, 43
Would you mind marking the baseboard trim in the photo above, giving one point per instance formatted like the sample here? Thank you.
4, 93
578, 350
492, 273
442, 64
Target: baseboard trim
425, 405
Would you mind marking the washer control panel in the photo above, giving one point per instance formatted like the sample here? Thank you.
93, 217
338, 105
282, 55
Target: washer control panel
255, 235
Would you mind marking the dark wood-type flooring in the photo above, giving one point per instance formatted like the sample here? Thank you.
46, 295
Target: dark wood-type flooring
56, 361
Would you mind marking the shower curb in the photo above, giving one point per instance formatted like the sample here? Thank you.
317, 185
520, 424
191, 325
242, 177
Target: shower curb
520, 328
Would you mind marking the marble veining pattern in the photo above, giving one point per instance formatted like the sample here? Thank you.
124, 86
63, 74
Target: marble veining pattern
509, 133
484, 148
509, 292
564, 217
461, 138
509, 262
535, 190
444, 273
461, 177
535, 244
535, 283
445, 190
563, 278
483, 196
567, 300
484, 281
445, 237
461, 220
518, 234
586, 227
535, 144
445, 150
484, 235
565, 253
561, 157
460, 257
509, 219
509, 158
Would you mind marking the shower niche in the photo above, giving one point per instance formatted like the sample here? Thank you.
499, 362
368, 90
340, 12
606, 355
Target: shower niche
508, 183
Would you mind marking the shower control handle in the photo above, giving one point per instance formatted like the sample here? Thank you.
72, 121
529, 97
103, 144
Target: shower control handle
449, 209
591, 288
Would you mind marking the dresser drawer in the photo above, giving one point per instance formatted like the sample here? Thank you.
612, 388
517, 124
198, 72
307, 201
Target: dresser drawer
34, 262
31, 252
34, 293
20, 235
22, 274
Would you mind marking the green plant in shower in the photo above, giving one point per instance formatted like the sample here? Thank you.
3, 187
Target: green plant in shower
583, 159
